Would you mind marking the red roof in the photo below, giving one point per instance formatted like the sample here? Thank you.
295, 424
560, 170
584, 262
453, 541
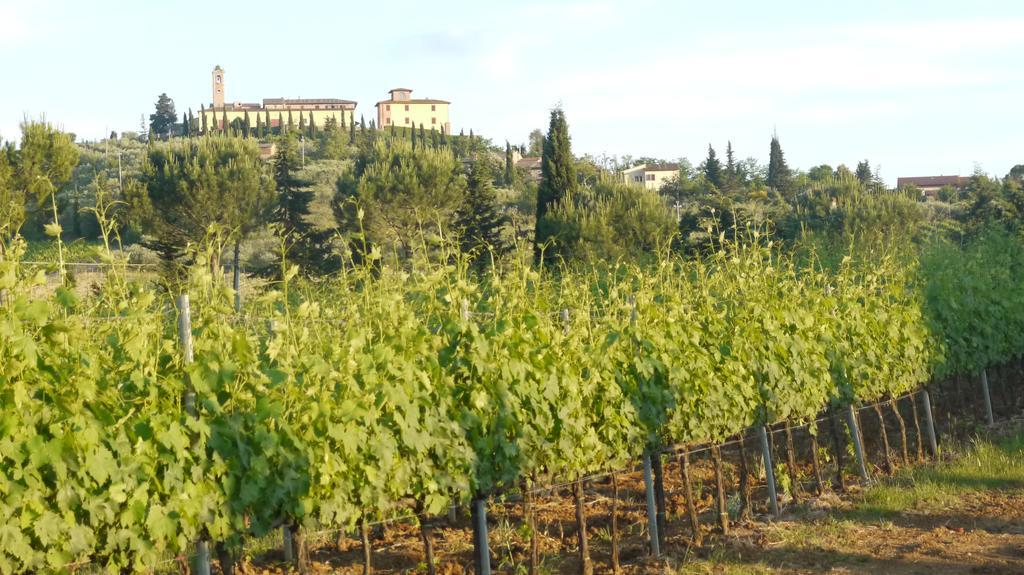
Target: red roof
932, 181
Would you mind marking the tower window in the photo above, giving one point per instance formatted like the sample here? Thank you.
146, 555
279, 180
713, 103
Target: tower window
407, 107
387, 107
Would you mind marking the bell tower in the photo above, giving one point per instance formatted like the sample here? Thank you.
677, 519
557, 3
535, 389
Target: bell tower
218, 87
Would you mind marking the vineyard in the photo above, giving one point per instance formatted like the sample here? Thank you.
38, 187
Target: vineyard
135, 423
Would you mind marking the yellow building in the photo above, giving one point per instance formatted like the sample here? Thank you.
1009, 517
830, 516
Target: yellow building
650, 176
404, 111
273, 111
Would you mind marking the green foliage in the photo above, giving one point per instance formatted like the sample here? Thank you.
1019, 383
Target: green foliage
779, 175
607, 223
395, 195
187, 186
32, 173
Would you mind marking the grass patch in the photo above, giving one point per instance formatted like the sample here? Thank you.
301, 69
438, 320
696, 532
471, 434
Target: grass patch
980, 466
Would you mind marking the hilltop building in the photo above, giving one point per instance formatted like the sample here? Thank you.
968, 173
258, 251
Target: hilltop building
275, 111
930, 185
402, 110
651, 176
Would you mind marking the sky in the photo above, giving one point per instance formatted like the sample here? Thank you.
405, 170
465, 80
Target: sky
915, 87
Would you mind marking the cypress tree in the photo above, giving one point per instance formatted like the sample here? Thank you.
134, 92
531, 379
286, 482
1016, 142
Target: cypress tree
291, 123
444, 138
312, 125
508, 164
462, 133
433, 138
422, 137
184, 125
362, 123
191, 123
266, 123
202, 116
713, 168
352, 132
477, 219
280, 123
259, 126
730, 161
225, 125
343, 126
779, 176
558, 175
246, 125
413, 138
302, 124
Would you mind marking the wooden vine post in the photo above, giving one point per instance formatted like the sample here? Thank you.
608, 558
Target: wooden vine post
987, 397
658, 468
533, 565
794, 473
839, 447
819, 481
769, 471
586, 567
886, 451
905, 450
858, 447
917, 429
744, 485
723, 506
691, 503
929, 423
652, 512
201, 564
616, 568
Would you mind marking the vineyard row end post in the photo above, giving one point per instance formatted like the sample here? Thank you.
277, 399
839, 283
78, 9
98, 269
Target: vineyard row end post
929, 423
858, 447
987, 396
652, 511
202, 559
769, 470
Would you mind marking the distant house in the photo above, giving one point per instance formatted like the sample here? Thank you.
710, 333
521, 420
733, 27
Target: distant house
930, 185
651, 176
402, 110
531, 165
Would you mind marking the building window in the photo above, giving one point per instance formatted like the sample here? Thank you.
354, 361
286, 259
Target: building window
433, 107
650, 177
407, 107
387, 107
407, 120
638, 178
433, 120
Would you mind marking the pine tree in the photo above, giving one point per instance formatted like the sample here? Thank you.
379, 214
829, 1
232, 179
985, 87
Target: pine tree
558, 175
713, 168
477, 219
164, 117
864, 172
779, 176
